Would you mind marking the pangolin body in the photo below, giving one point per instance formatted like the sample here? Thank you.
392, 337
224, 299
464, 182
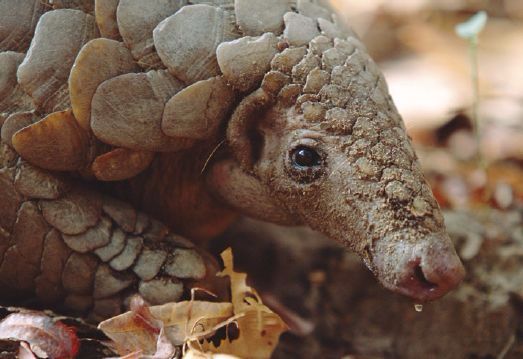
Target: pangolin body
139, 100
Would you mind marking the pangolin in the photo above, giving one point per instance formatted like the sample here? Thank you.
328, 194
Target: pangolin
132, 130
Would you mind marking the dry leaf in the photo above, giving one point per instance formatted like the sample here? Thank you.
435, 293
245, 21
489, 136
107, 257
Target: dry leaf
179, 321
196, 354
259, 328
164, 350
134, 331
46, 337
25, 351
191, 318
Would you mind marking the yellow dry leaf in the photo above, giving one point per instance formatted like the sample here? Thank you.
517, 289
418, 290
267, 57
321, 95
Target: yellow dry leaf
239, 288
259, 328
252, 341
190, 318
196, 354
178, 320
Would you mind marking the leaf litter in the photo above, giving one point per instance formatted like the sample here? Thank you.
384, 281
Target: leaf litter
40, 336
189, 329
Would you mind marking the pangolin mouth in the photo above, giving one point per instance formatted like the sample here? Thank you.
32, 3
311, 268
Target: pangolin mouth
416, 285
420, 278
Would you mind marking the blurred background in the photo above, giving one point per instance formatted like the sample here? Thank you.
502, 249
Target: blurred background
335, 306
428, 69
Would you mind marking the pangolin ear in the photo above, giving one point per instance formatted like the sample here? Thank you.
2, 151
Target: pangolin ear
242, 135
227, 180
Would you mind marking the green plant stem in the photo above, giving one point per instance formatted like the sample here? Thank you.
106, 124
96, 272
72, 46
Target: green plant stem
475, 104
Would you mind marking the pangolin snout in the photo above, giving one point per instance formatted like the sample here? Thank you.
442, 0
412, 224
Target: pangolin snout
424, 270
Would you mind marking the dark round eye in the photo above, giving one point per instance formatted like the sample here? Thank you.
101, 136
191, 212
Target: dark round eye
305, 157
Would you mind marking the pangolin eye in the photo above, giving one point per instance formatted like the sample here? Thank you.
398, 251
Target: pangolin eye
303, 156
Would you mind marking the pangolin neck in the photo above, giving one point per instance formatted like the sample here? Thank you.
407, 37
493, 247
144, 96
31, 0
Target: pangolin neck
173, 190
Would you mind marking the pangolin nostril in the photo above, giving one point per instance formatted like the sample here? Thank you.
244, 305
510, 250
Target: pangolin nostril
418, 274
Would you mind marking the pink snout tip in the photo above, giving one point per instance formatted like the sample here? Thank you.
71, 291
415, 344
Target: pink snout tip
424, 271
425, 280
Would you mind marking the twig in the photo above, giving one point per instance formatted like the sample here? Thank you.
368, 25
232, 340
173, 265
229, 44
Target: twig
507, 347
